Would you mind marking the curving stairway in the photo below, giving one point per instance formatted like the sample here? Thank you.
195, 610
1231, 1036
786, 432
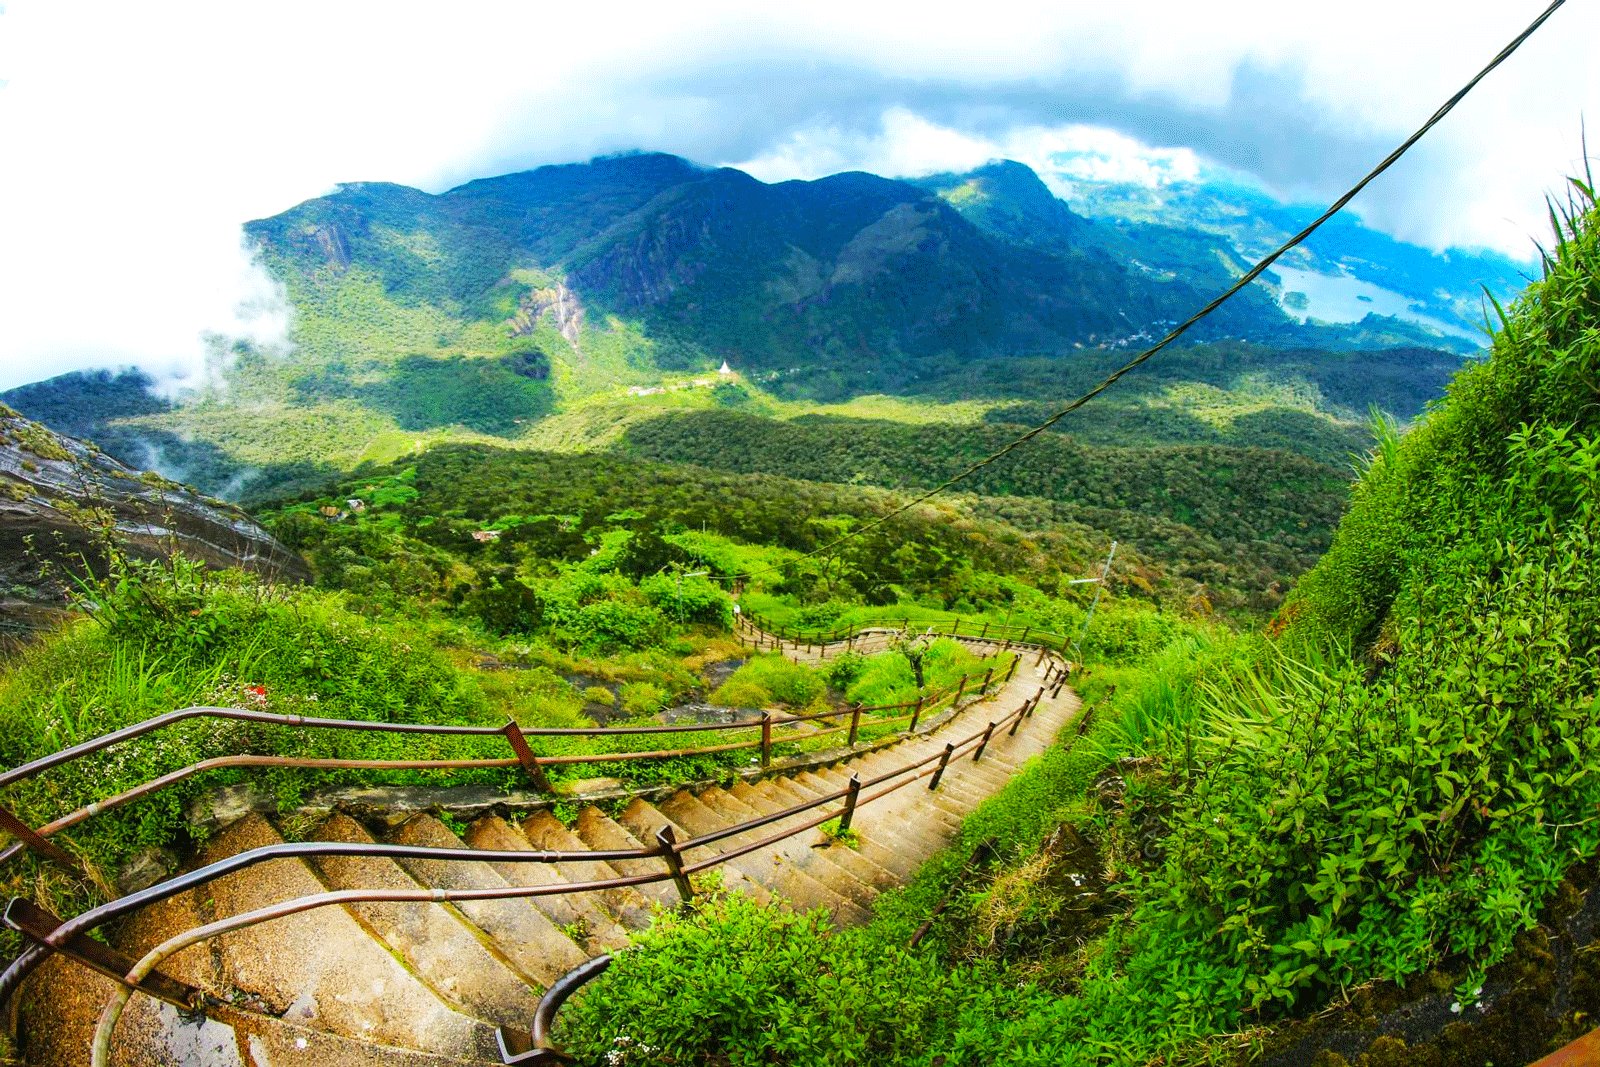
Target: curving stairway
409, 984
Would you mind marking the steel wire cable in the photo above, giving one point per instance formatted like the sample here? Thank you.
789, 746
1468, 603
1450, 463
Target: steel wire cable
1179, 330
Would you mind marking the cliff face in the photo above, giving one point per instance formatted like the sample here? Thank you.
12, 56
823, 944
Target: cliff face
60, 497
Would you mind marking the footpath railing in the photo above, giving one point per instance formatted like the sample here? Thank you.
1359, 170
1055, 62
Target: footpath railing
26, 837
48, 935
765, 633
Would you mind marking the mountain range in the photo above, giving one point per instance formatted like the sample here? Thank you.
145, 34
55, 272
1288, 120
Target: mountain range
511, 307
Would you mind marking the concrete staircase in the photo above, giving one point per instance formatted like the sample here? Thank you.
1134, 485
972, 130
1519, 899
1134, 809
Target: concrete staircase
426, 985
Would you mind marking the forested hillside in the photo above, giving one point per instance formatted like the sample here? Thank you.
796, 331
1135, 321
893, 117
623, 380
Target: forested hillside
1377, 816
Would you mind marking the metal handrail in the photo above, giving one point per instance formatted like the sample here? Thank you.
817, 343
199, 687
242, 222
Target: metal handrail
59, 936
36, 839
847, 633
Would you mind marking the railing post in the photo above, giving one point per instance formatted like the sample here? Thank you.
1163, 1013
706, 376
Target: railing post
1042, 651
666, 840
855, 723
944, 761
1033, 705
525, 756
37, 924
1009, 671
985, 632
850, 639
961, 691
1024, 638
37, 843
1024, 712
766, 739
916, 714
988, 733
850, 803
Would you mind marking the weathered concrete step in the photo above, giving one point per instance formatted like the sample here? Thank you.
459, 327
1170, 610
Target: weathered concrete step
522, 934
321, 968
923, 829
151, 1034
791, 877
601, 832
861, 868
574, 913
643, 820
544, 830
805, 850
437, 942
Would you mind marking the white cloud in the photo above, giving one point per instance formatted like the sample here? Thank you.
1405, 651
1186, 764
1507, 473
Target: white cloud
138, 136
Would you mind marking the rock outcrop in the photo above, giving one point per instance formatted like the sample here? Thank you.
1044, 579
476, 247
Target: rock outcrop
62, 500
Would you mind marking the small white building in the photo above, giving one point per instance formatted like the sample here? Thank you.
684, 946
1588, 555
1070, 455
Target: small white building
725, 370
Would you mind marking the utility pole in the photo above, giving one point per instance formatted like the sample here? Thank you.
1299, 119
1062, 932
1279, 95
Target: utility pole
1105, 572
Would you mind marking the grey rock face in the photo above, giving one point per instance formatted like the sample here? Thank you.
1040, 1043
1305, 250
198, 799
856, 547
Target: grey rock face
61, 499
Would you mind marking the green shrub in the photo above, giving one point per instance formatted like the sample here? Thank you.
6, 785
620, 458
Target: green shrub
687, 600
784, 682
738, 693
643, 698
611, 625
599, 694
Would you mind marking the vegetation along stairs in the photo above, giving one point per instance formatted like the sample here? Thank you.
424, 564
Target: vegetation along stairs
419, 943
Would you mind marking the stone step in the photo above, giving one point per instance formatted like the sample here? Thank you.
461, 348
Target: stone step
544, 830
643, 819
860, 867
61, 1029
806, 850
922, 829
573, 913
521, 933
601, 832
791, 877
437, 942
321, 968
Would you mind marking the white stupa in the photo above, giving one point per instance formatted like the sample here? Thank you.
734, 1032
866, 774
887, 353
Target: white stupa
725, 370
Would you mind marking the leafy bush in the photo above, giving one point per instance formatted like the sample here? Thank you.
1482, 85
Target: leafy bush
691, 599
611, 625
643, 698
768, 987
773, 679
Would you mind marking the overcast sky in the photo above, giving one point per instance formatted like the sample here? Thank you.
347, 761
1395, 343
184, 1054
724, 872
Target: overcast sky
136, 137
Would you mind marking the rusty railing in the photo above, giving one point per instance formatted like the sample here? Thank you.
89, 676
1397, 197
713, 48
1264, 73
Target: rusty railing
46, 934
37, 839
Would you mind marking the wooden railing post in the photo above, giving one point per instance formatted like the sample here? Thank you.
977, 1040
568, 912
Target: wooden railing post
766, 739
666, 840
1042, 651
1009, 672
1033, 705
988, 676
916, 713
1024, 638
525, 756
850, 803
985, 631
944, 761
961, 691
988, 733
855, 723
36, 843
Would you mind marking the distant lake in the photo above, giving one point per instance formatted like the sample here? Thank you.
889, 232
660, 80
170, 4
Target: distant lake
1340, 298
